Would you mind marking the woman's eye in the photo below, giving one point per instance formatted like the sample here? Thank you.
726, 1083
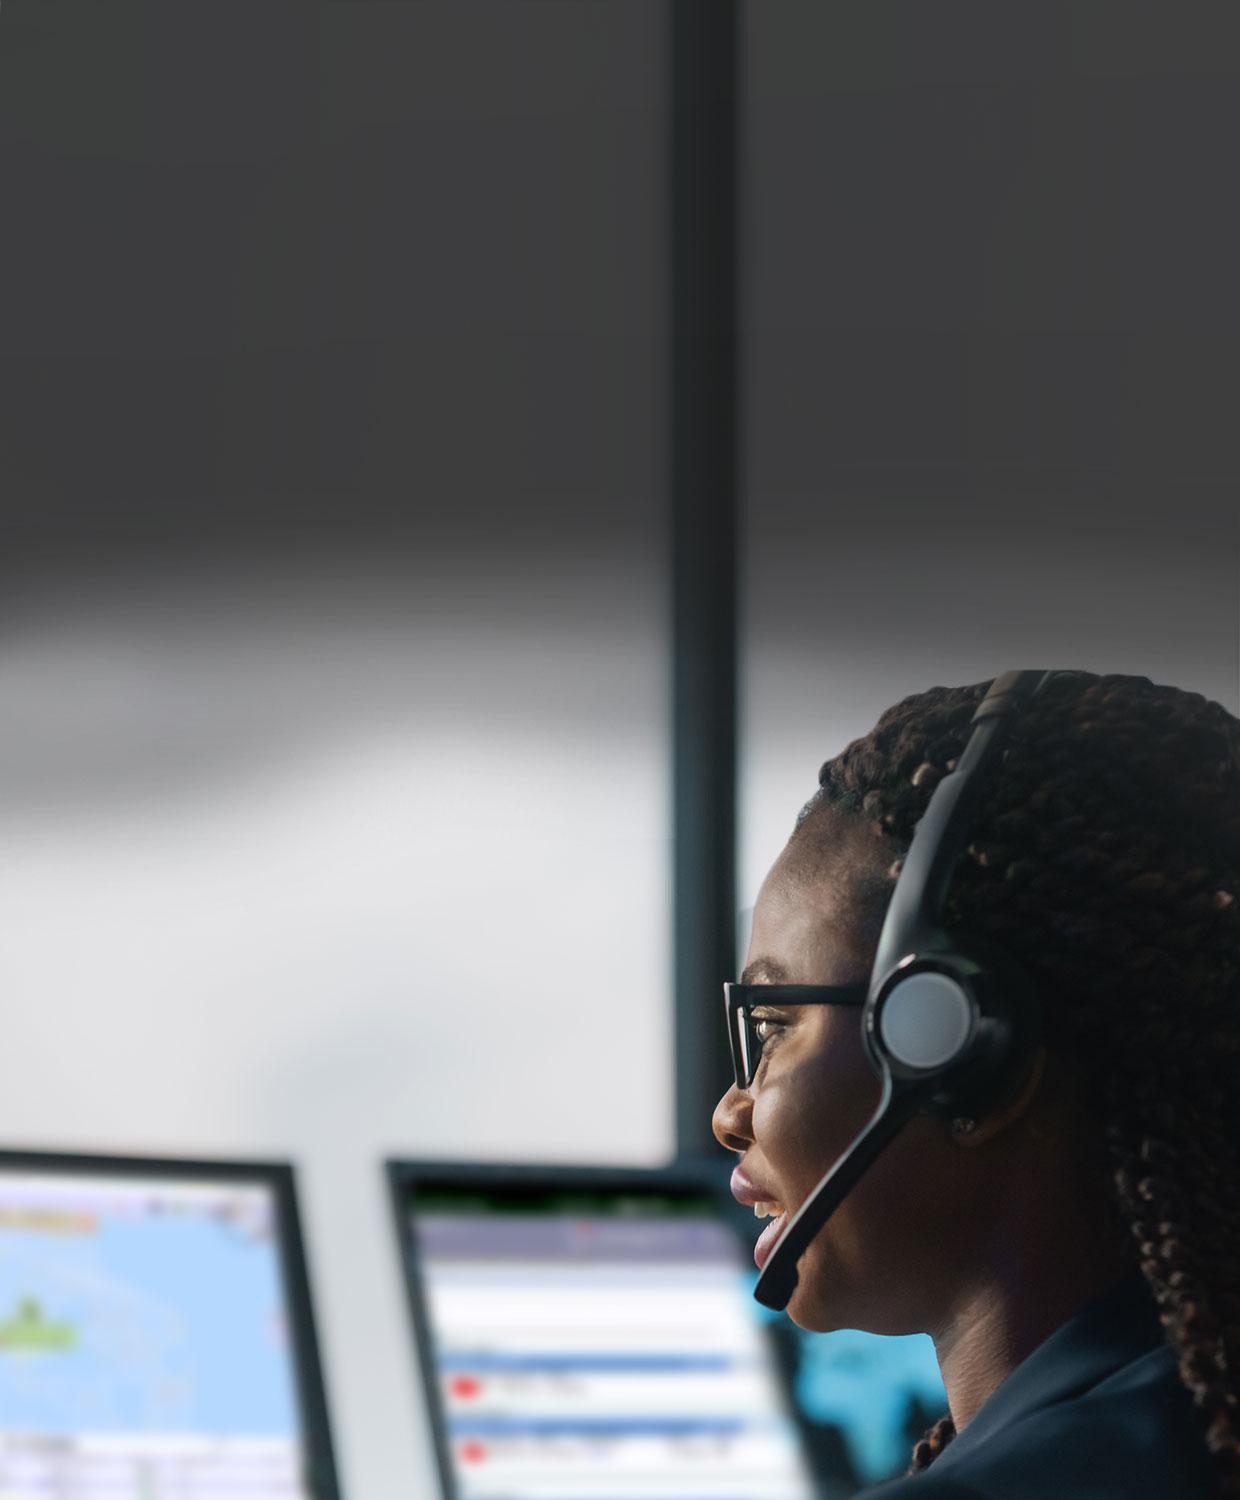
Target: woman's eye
765, 1027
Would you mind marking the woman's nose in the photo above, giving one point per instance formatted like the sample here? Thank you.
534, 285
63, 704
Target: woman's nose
731, 1119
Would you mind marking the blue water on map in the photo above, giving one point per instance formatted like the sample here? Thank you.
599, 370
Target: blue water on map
164, 1322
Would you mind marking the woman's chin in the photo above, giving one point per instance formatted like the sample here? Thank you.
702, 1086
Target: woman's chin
807, 1312
820, 1303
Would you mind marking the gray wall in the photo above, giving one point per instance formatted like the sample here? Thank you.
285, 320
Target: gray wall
334, 652
993, 362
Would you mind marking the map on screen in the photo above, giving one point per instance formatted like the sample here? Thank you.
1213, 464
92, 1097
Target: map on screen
143, 1341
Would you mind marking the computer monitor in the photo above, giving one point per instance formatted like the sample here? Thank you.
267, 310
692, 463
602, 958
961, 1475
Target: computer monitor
592, 1334
156, 1339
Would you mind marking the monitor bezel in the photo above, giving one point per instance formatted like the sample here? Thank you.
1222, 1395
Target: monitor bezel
280, 1176
403, 1173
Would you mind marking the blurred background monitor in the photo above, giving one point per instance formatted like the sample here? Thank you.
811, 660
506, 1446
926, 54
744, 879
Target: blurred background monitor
156, 1338
593, 1333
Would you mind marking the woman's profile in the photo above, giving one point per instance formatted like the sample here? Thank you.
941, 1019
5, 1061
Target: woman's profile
1074, 1249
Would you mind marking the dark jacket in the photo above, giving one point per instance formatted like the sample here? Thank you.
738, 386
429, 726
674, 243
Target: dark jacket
1096, 1412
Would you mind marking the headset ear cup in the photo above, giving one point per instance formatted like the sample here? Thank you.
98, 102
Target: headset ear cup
926, 1020
1009, 1031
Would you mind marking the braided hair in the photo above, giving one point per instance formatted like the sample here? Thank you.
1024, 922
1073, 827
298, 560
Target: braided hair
1105, 857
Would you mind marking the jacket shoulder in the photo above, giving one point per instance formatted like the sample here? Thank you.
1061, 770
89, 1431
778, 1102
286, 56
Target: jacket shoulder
1134, 1435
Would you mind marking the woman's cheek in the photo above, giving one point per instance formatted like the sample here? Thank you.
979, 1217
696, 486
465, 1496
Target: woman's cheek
769, 1108
793, 1125
818, 1108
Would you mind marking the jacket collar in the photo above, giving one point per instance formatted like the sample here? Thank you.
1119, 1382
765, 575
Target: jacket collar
1108, 1332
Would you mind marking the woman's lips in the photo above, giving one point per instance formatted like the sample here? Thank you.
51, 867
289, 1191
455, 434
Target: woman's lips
746, 1191
766, 1240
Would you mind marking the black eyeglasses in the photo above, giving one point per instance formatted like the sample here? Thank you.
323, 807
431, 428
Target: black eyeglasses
740, 999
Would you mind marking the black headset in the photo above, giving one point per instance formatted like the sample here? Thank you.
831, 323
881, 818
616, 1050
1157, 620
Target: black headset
949, 1024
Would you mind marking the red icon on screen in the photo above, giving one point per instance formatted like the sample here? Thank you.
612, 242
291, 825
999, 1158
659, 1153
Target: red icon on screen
465, 1387
472, 1453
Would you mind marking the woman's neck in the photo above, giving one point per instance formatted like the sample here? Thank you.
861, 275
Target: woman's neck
1001, 1320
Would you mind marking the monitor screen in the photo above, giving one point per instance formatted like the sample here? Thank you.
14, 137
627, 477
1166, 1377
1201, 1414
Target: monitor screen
594, 1339
153, 1335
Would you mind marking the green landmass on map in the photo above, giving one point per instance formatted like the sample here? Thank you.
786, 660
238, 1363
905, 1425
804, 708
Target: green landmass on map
28, 1329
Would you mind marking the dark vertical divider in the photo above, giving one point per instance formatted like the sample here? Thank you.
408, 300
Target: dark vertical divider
704, 93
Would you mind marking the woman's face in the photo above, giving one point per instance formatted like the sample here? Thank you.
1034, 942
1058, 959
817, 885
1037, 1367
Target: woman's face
878, 1258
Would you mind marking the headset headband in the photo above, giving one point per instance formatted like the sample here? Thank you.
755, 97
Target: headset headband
937, 1019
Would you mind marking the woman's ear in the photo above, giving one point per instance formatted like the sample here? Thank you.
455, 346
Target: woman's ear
966, 1131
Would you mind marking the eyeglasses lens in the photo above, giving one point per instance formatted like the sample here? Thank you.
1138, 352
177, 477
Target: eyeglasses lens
746, 1050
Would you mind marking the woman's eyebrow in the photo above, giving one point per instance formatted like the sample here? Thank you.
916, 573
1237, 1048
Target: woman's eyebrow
765, 971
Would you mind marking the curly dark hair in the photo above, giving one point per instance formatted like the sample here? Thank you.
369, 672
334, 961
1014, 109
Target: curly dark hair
1105, 856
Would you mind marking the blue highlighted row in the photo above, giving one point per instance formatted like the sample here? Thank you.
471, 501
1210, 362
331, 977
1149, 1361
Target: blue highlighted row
597, 1427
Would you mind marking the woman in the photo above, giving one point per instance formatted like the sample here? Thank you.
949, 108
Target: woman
1075, 1250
